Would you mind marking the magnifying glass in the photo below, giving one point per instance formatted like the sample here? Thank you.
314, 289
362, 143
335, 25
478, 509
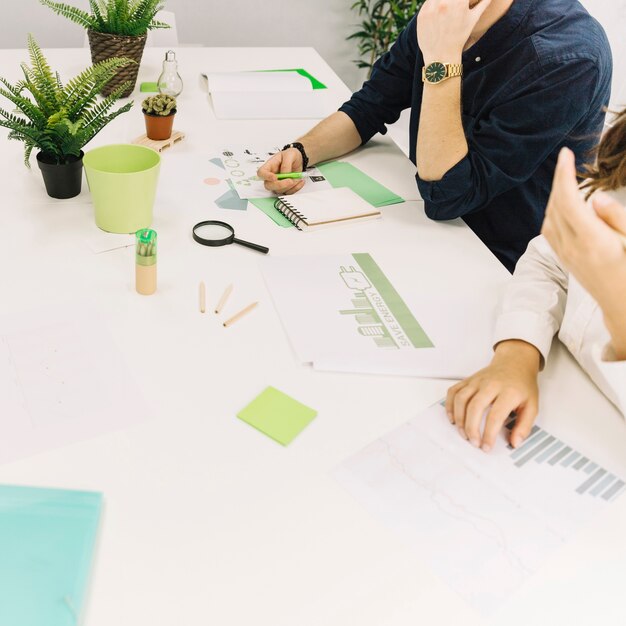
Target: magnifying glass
213, 233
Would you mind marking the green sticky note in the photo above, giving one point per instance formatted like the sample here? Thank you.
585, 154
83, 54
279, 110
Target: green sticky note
47, 537
277, 415
267, 206
341, 174
149, 87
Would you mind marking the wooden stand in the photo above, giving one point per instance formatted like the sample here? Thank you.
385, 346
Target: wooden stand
159, 146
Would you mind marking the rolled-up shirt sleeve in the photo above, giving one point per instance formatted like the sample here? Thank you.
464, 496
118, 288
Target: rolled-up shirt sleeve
533, 306
388, 92
613, 373
507, 147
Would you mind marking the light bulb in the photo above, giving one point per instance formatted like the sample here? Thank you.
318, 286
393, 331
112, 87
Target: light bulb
170, 81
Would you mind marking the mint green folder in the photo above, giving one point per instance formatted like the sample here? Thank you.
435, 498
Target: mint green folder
267, 206
342, 174
47, 540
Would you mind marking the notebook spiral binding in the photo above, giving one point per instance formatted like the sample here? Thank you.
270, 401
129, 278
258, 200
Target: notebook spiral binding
287, 209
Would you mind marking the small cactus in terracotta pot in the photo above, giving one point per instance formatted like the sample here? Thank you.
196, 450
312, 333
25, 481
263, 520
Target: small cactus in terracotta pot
159, 112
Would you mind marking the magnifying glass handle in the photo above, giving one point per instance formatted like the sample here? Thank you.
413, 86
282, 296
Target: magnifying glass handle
254, 246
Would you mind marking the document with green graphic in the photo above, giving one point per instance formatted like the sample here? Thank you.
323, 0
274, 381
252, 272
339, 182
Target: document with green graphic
350, 313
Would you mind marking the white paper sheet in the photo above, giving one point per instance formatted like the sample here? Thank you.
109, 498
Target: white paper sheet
484, 522
264, 95
100, 241
61, 381
258, 82
352, 315
242, 163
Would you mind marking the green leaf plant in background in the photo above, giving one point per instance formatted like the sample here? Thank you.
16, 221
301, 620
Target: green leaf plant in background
382, 22
55, 118
115, 17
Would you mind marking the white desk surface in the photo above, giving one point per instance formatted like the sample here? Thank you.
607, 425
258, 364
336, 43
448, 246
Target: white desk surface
206, 520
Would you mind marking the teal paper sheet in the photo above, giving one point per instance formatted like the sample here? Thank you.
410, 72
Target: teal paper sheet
231, 200
47, 540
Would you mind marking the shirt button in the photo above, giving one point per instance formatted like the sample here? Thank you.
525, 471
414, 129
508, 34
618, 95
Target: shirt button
478, 59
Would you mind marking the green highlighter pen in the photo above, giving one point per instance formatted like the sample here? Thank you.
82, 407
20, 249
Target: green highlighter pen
290, 175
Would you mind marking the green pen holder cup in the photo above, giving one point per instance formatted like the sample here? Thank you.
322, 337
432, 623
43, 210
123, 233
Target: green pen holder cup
122, 179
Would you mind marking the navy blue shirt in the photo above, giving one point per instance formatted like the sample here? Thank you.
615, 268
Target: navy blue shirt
539, 79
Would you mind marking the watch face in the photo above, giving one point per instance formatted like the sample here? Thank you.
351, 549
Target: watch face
435, 72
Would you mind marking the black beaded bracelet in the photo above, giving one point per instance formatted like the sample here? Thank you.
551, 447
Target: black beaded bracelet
300, 148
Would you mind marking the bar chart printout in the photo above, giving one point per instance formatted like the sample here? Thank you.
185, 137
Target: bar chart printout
484, 522
541, 447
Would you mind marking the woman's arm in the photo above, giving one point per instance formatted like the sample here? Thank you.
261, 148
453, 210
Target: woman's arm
531, 312
590, 244
611, 292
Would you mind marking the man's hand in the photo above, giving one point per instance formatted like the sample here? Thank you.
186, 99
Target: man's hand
283, 162
444, 26
331, 138
509, 384
588, 241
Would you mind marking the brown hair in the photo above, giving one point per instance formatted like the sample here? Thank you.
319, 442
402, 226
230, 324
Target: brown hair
609, 171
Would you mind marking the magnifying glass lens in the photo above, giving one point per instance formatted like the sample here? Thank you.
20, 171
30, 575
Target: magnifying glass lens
213, 232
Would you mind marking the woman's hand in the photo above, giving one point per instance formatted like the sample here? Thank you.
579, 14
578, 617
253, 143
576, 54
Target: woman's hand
589, 241
508, 385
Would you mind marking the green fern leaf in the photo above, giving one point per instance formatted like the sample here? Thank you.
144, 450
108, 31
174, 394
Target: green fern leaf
59, 120
45, 101
71, 13
43, 76
102, 108
27, 108
117, 17
81, 93
101, 122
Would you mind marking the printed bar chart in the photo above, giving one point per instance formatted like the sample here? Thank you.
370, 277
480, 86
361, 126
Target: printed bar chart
541, 447
484, 522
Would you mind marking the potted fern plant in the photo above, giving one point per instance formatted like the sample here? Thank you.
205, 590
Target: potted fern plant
116, 29
159, 112
59, 120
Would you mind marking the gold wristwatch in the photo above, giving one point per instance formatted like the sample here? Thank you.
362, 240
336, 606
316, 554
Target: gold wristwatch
438, 72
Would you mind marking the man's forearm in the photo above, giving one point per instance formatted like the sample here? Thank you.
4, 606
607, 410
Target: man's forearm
441, 141
331, 138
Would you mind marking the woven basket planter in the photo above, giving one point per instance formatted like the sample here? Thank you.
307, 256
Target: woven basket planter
105, 46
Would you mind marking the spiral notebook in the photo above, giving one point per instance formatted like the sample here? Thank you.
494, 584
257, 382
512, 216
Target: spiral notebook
324, 208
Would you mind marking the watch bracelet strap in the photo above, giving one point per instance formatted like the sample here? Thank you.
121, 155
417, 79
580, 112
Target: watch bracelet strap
452, 70
300, 148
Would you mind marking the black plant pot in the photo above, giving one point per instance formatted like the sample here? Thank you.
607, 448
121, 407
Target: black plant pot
62, 180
